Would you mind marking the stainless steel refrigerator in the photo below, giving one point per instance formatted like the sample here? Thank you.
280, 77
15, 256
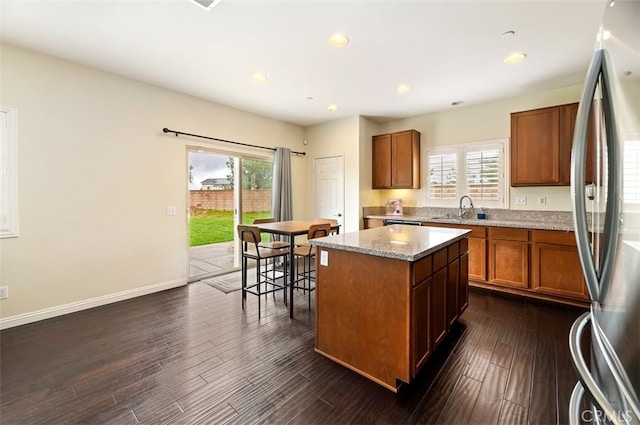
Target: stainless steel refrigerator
605, 342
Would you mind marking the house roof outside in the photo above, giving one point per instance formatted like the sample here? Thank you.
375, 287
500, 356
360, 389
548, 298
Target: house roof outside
215, 182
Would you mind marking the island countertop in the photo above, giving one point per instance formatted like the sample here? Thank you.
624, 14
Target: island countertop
403, 242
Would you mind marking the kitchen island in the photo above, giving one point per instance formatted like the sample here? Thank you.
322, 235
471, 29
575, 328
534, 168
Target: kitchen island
386, 297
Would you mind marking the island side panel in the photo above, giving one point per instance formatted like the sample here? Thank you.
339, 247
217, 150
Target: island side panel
362, 316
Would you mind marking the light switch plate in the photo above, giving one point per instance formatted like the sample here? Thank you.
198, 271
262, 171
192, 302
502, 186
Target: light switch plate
171, 211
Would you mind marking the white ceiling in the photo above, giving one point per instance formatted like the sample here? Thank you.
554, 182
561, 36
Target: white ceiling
444, 50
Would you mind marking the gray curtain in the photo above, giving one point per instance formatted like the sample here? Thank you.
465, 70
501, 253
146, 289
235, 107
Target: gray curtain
281, 204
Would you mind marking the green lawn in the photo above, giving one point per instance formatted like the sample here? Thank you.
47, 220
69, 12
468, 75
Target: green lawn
211, 226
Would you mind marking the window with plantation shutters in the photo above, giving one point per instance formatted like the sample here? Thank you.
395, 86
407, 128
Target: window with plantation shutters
630, 175
443, 176
474, 169
483, 174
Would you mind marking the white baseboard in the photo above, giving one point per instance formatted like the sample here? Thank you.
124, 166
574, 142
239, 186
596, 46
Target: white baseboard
48, 313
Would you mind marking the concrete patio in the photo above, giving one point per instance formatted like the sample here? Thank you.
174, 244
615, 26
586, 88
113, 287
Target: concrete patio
209, 260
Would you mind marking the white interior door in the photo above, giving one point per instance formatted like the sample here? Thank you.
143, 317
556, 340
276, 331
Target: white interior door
329, 188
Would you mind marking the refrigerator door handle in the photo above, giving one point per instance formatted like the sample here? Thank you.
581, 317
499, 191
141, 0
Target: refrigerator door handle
586, 380
631, 403
597, 282
575, 402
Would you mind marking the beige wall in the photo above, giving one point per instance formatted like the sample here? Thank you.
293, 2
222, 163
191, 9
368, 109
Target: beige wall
93, 140
368, 196
84, 131
489, 121
339, 137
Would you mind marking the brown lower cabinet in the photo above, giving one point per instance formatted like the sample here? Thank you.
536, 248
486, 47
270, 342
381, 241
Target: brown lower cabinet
556, 268
536, 263
463, 287
439, 282
509, 257
477, 257
531, 262
421, 331
372, 222
477, 244
384, 317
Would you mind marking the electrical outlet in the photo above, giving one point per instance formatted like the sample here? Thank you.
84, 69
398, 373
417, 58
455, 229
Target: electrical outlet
171, 211
521, 200
542, 200
4, 292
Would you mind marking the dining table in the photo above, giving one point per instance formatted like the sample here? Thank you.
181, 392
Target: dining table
291, 229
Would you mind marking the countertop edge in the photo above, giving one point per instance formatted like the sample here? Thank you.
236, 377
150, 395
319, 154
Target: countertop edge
390, 254
535, 225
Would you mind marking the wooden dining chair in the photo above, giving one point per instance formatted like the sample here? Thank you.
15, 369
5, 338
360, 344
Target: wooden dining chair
332, 221
308, 254
272, 243
251, 250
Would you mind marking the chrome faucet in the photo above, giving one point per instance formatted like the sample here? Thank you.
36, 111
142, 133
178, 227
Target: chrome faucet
463, 211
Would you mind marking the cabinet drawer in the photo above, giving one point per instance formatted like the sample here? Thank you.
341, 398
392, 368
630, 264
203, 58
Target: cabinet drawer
508, 234
440, 259
453, 251
372, 222
554, 237
476, 231
422, 269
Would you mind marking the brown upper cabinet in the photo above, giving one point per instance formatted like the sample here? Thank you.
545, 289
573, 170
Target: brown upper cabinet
541, 141
396, 160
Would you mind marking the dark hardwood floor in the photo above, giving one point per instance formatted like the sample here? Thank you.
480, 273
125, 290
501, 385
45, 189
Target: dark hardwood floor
192, 356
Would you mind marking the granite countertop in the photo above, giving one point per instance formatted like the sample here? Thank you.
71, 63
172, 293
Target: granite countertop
408, 243
524, 224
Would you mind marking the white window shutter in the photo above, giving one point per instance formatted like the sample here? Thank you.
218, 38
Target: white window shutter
443, 176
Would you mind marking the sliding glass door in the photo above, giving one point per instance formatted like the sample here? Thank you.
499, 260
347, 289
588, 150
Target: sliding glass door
224, 190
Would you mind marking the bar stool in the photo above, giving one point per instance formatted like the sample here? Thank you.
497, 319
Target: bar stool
308, 254
275, 244
332, 221
250, 238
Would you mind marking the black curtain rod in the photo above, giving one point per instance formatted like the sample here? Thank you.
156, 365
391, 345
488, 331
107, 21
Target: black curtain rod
166, 130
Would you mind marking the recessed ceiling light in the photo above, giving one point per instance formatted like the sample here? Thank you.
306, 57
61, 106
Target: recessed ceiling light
515, 58
402, 88
508, 34
604, 34
309, 97
339, 40
332, 108
259, 78
457, 103
207, 4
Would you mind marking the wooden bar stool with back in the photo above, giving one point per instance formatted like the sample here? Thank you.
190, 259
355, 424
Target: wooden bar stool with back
308, 253
251, 250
